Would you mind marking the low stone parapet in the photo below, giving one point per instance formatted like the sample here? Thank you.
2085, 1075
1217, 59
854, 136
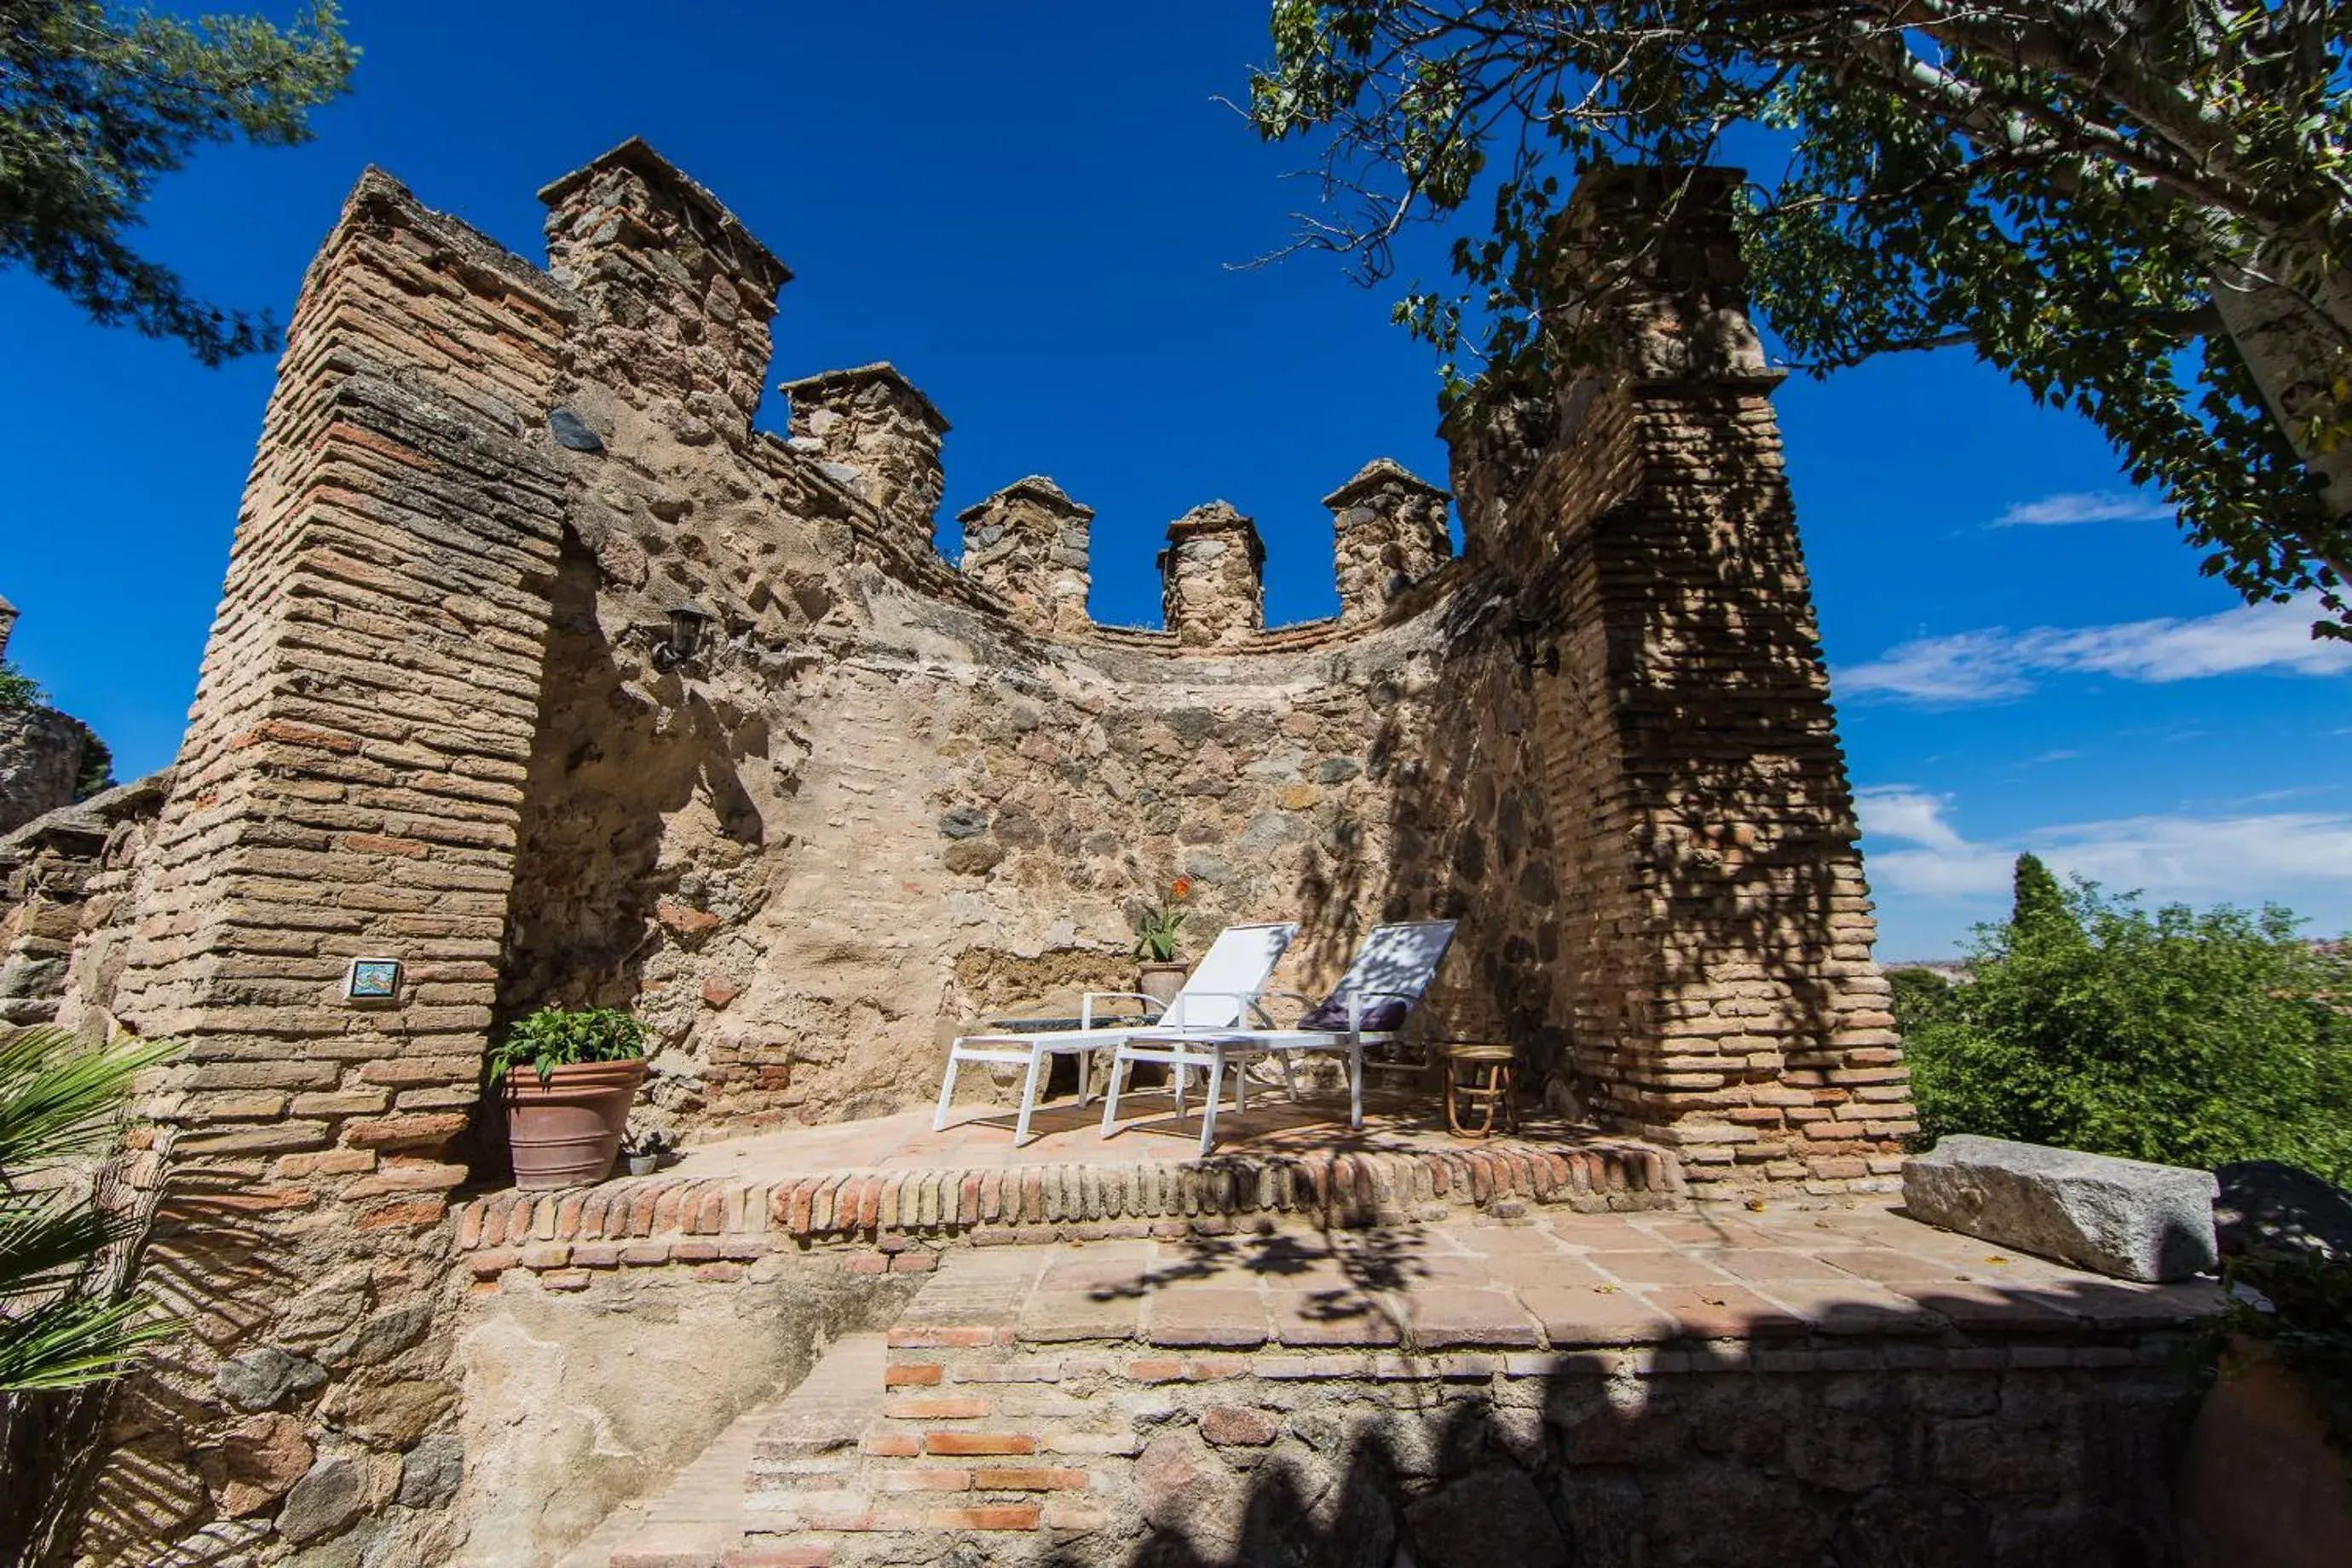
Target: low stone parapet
894, 1220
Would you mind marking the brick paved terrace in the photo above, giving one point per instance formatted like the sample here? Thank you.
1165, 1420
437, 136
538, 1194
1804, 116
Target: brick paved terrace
1049, 1403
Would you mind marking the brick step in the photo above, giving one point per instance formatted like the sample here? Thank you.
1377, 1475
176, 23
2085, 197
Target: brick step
920, 1466
811, 1435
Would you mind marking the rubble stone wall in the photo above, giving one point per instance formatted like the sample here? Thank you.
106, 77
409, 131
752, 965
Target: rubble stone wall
1727, 1453
66, 881
443, 718
41, 754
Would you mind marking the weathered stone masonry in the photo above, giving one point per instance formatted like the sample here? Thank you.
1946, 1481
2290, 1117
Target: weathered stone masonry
890, 796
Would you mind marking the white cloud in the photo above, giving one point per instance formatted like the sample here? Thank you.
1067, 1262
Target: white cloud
1940, 862
2198, 860
2079, 506
1990, 665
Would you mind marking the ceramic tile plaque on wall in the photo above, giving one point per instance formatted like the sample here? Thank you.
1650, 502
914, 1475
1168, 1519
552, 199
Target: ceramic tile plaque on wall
372, 980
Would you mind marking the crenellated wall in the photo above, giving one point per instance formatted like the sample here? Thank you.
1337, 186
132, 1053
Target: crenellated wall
440, 720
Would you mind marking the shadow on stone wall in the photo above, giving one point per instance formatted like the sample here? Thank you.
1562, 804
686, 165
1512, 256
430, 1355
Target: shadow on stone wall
210, 1262
1700, 1454
609, 767
1467, 836
1649, 838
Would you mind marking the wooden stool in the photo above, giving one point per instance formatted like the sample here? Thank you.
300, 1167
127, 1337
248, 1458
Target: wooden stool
1478, 1080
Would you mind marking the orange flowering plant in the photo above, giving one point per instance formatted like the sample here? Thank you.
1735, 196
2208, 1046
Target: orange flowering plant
1157, 925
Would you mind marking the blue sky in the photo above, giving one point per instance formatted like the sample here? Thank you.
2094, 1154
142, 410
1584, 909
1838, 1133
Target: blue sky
1033, 210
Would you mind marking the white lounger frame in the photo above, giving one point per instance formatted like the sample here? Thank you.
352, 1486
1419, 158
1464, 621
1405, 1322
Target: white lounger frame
1218, 995
1211, 1050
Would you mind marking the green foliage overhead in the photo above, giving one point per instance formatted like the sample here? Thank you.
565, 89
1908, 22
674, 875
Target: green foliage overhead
2143, 211
99, 101
2183, 1038
64, 1320
558, 1036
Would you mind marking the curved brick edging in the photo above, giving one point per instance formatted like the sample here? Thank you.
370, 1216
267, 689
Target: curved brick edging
719, 1225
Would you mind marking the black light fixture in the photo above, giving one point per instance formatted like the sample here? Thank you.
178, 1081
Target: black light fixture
1526, 648
687, 626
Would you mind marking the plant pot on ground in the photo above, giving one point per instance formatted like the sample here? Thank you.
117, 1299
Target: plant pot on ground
567, 1078
1160, 981
647, 1150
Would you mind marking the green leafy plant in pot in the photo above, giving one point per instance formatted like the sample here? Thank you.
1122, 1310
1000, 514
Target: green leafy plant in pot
1160, 972
567, 1078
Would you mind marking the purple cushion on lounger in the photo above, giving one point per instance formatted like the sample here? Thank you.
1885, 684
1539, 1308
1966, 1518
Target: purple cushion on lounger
1332, 1015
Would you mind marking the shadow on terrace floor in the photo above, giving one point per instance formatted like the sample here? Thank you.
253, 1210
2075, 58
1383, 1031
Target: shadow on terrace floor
1842, 1388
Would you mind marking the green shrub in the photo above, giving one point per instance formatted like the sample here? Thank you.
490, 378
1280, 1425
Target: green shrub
17, 690
2185, 1038
2305, 1321
558, 1036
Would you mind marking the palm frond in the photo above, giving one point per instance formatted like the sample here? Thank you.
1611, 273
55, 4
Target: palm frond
60, 1096
45, 1245
73, 1340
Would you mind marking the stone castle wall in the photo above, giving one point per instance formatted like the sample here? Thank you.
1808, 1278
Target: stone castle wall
41, 752
440, 720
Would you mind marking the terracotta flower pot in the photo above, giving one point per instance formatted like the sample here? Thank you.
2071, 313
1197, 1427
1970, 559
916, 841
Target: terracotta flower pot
1160, 981
2260, 1485
566, 1131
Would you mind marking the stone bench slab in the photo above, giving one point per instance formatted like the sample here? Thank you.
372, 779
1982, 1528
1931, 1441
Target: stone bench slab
2121, 1218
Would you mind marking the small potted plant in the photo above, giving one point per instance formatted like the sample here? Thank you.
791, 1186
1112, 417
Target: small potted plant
1160, 973
568, 1077
647, 1150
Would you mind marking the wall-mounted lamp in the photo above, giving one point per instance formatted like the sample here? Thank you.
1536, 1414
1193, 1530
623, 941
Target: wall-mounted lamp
688, 624
1530, 650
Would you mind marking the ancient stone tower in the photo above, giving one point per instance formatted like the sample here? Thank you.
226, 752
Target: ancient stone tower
446, 719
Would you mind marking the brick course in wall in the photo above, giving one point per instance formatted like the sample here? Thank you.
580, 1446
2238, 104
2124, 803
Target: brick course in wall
350, 786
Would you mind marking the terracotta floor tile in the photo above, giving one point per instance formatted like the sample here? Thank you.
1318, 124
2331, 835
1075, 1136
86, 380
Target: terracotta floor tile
1855, 1307
1723, 1311
1234, 1317
1660, 1267
1889, 1266
1773, 1263
1594, 1230
1056, 1315
1442, 1316
1441, 1268
2124, 1304
1130, 1276
1546, 1270
1276, 1259
1974, 1304
1333, 1317
1595, 1316
1685, 1230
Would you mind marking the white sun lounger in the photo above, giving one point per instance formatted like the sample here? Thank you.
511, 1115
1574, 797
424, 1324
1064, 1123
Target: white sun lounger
1215, 996
1367, 1007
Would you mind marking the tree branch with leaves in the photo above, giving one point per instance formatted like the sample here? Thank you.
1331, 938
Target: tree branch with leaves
2140, 211
98, 103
